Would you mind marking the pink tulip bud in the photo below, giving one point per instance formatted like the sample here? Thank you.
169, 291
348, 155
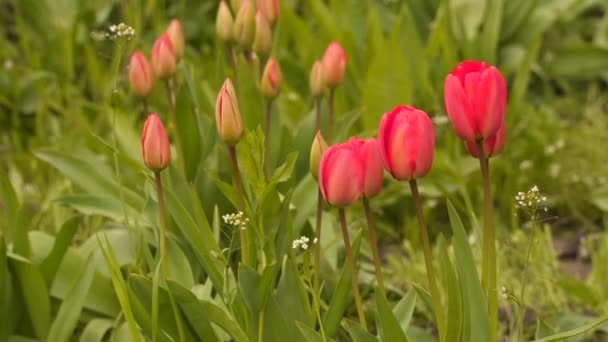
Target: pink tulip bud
270, 84
176, 35
270, 9
334, 65
224, 23
475, 98
369, 154
318, 148
262, 42
163, 57
228, 115
492, 145
407, 142
244, 25
155, 145
316, 81
141, 79
341, 175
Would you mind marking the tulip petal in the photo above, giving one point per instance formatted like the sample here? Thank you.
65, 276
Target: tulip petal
489, 102
384, 132
426, 145
458, 107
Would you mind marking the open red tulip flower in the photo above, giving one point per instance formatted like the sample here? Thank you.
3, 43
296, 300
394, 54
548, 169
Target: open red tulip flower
492, 146
407, 142
369, 154
341, 175
475, 99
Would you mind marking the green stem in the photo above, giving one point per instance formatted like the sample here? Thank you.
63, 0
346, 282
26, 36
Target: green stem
261, 326
489, 245
317, 263
318, 114
374, 243
267, 118
233, 65
428, 258
173, 118
353, 270
330, 115
163, 224
238, 187
522, 307
144, 103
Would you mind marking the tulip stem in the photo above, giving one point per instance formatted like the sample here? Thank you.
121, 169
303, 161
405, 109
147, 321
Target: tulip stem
373, 242
163, 224
238, 187
318, 114
233, 65
488, 269
173, 117
267, 118
522, 306
317, 263
144, 102
330, 115
353, 269
428, 257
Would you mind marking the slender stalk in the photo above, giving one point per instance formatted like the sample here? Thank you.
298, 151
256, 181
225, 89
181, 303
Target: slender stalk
489, 246
163, 224
261, 325
144, 103
249, 59
173, 118
267, 118
428, 257
522, 307
330, 115
238, 187
374, 243
233, 65
317, 262
318, 114
353, 270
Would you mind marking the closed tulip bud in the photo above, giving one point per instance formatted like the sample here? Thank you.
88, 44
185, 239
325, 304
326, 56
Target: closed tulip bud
141, 79
407, 142
270, 9
492, 145
262, 43
334, 65
228, 115
341, 175
316, 81
475, 99
155, 145
244, 25
270, 84
176, 35
224, 23
369, 154
318, 148
236, 5
163, 57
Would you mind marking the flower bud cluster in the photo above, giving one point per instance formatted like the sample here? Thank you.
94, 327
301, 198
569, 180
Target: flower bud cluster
237, 220
302, 242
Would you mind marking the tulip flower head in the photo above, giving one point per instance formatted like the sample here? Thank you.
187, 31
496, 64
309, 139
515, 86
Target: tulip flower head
244, 25
334, 65
262, 41
407, 142
492, 146
224, 22
270, 9
176, 35
141, 79
318, 148
272, 78
155, 145
341, 175
163, 57
228, 115
369, 154
475, 99
316, 81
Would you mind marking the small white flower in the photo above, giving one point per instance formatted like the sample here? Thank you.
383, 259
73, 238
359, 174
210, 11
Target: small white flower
526, 164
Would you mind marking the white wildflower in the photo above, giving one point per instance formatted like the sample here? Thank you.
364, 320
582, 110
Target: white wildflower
302, 243
237, 220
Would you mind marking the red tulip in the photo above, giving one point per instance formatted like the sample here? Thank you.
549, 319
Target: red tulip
407, 142
176, 35
475, 98
141, 79
341, 175
334, 64
492, 146
163, 57
369, 154
155, 145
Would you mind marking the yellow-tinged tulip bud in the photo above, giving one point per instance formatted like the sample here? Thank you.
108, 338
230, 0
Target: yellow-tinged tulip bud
228, 115
270, 84
317, 82
224, 23
262, 42
319, 146
244, 25
176, 35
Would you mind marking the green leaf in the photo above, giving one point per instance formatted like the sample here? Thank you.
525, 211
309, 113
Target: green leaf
178, 264
477, 325
14, 216
578, 63
5, 294
34, 291
110, 207
455, 312
310, 334
342, 295
387, 324
50, 264
570, 333
357, 333
404, 310
96, 329
69, 312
